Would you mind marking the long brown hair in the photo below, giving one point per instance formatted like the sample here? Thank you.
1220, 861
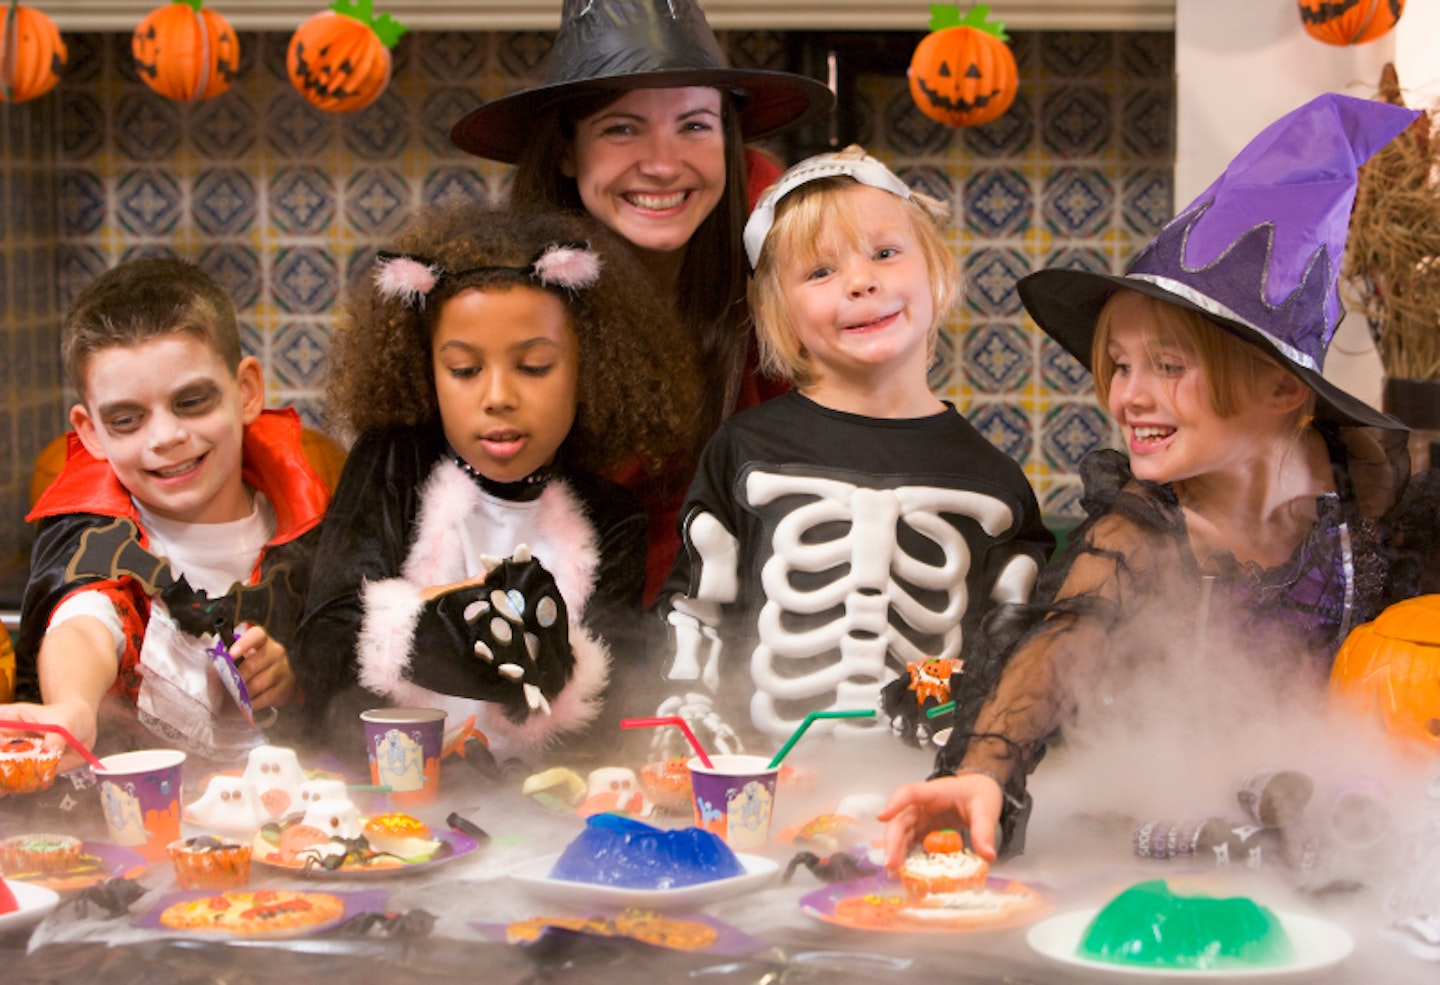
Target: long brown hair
711, 303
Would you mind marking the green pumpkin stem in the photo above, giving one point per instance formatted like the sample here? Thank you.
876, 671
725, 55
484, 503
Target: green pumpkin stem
947, 15
386, 28
194, 5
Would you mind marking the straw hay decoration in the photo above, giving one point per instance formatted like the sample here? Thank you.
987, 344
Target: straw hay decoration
1392, 260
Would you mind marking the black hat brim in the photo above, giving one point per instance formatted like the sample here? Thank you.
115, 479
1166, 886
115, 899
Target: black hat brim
769, 102
1066, 305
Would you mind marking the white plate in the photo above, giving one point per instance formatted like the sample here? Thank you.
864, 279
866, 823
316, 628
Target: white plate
1318, 944
35, 902
535, 876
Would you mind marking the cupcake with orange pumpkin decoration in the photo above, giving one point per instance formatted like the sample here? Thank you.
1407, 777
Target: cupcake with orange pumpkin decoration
943, 866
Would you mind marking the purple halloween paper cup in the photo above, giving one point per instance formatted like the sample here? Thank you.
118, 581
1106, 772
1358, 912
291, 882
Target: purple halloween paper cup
403, 746
140, 794
734, 798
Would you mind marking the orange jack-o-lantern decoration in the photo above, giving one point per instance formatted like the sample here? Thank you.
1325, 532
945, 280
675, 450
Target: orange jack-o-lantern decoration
1345, 22
186, 53
31, 54
1389, 670
340, 58
946, 841
963, 73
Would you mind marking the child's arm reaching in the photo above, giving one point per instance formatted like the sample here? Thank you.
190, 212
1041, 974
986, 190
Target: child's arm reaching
76, 666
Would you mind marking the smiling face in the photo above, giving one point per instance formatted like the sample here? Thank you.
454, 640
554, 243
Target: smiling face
1161, 396
651, 165
506, 371
169, 417
861, 305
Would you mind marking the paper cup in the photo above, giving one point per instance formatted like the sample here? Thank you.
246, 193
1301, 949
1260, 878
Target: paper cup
140, 794
735, 799
403, 746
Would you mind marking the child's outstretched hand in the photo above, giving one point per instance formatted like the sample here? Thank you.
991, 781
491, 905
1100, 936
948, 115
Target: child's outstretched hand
265, 667
970, 800
76, 717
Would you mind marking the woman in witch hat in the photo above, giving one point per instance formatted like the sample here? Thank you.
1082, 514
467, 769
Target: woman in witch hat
641, 122
1258, 511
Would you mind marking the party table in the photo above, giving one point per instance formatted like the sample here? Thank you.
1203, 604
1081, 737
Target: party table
768, 936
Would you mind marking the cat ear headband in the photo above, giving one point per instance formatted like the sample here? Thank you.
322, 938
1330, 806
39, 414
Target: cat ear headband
409, 279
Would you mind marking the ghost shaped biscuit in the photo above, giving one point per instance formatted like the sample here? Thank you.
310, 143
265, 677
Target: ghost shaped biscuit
277, 776
614, 789
229, 803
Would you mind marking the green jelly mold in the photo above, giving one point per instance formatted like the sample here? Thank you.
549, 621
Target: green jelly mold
1150, 925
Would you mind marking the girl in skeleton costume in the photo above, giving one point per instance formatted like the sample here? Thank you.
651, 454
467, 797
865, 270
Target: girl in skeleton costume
857, 524
489, 367
1258, 512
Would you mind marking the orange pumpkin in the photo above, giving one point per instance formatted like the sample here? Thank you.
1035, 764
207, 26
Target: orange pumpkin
186, 53
31, 54
1389, 670
946, 841
1344, 22
963, 74
340, 59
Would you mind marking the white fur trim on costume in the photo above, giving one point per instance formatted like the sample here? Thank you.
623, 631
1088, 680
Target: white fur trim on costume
387, 634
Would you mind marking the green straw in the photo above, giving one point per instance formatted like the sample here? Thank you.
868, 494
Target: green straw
939, 710
809, 720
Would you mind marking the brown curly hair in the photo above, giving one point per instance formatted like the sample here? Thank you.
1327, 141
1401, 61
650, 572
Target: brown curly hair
639, 388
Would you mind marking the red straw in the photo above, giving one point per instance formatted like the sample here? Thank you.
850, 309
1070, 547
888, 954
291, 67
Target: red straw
59, 730
679, 723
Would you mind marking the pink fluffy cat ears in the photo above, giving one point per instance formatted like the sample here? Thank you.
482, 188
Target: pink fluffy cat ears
410, 279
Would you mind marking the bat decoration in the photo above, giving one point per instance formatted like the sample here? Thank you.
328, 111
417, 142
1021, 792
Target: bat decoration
114, 551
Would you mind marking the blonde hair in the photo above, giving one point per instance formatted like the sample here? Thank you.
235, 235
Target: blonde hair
1236, 372
807, 222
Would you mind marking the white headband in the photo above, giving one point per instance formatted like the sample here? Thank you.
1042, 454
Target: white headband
852, 162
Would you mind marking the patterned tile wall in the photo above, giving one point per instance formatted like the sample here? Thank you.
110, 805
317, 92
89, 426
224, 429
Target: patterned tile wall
285, 204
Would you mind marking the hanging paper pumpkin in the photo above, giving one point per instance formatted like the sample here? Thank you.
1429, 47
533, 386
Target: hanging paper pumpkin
185, 53
1389, 669
31, 54
1345, 22
340, 58
963, 74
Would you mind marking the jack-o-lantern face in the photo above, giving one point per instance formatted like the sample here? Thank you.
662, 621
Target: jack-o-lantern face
31, 54
1345, 22
963, 76
338, 63
185, 53
1389, 670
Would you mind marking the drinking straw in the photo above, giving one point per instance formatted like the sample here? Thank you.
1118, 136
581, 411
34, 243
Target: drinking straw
59, 730
939, 710
809, 720
679, 723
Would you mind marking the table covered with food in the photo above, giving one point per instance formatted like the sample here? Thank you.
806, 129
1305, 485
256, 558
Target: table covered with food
292, 867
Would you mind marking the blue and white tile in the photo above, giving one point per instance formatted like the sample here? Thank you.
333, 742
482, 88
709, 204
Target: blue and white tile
297, 353
449, 56
82, 125
1075, 54
380, 130
223, 202
997, 358
224, 128
238, 269
293, 127
998, 202
1070, 431
440, 110
301, 200
1077, 202
147, 126
1076, 120
1009, 135
377, 201
148, 202
1005, 425
304, 279
1149, 201
990, 277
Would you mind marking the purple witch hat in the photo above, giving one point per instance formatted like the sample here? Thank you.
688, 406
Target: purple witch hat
1258, 253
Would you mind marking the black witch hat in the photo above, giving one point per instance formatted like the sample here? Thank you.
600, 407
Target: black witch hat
617, 45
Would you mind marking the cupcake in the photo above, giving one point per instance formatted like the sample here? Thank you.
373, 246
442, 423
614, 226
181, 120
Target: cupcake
26, 765
944, 866
38, 854
209, 863
400, 835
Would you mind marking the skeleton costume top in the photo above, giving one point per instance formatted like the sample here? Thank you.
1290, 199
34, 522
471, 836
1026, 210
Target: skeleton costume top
825, 551
409, 515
